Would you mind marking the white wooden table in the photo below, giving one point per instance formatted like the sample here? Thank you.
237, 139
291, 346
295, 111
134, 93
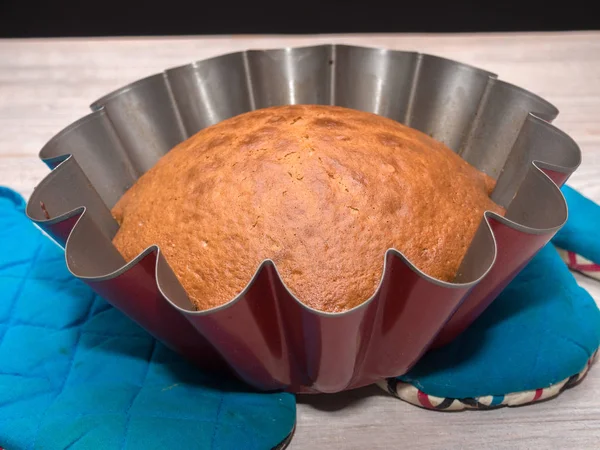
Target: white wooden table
46, 84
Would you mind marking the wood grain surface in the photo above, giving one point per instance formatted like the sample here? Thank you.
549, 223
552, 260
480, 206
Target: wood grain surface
47, 84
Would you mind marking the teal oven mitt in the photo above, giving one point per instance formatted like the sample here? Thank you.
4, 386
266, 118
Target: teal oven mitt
76, 373
536, 339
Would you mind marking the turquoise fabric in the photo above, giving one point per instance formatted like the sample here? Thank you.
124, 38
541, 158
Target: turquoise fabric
581, 234
76, 373
542, 329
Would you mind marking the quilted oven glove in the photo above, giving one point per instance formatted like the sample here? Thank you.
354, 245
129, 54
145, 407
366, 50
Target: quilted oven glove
536, 339
86, 376
76, 373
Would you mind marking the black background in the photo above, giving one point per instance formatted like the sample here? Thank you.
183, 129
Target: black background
36, 18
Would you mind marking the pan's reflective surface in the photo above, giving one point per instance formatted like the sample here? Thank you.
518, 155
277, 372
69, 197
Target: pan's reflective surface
266, 335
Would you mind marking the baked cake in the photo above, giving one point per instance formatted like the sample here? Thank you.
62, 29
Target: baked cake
323, 191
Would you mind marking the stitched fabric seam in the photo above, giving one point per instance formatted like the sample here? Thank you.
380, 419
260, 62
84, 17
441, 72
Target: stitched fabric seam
128, 413
13, 264
66, 378
217, 422
79, 323
108, 413
19, 291
65, 278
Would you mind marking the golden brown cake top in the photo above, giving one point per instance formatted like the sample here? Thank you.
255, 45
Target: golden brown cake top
323, 191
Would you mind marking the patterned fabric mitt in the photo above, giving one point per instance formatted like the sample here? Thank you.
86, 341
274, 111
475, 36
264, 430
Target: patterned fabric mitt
539, 337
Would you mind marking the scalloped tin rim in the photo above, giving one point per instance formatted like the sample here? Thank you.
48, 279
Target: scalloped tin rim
81, 121
244, 53
98, 104
531, 95
98, 109
267, 262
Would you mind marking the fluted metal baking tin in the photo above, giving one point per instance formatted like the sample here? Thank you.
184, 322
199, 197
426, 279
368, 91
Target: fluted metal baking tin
265, 335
